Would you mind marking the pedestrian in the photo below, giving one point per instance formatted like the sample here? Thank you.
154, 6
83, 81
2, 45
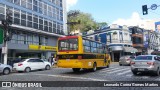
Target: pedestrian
52, 60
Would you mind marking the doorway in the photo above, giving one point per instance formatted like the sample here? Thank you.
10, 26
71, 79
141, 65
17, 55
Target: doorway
116, 56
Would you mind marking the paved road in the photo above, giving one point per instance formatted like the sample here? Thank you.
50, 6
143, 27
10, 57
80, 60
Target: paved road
114, 73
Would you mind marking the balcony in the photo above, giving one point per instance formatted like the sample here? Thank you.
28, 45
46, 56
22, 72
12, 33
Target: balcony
138, 45
137, 35
120, 41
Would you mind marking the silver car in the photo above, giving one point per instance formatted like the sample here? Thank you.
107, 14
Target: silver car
5, 69
125, 60
146, 63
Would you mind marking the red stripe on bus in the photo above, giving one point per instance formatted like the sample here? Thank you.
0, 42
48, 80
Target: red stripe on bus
68, 37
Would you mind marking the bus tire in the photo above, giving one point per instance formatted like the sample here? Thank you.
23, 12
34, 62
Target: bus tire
94, 67
76, 69
108, 64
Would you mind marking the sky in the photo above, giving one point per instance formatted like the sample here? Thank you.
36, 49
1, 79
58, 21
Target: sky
121, 12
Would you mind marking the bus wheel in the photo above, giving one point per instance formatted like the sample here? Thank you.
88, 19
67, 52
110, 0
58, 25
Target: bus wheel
76, 69
108, 65
94, 67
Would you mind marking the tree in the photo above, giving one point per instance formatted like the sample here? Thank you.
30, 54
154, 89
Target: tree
101, 25
85, 19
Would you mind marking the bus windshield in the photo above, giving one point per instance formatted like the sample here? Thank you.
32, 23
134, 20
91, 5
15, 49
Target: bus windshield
68, 44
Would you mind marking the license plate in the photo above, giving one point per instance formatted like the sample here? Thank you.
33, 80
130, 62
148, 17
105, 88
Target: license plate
140, 69
67, 59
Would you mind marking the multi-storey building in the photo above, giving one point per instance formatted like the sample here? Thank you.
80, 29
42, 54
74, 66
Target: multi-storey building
137, 38
36, 26
117, 38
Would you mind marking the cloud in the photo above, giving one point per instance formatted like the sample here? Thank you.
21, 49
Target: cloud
134, 20
71, 3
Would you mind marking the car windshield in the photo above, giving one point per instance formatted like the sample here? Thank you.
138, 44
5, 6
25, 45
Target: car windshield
144, 58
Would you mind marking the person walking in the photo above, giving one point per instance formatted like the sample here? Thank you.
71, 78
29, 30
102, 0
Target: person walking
52, 60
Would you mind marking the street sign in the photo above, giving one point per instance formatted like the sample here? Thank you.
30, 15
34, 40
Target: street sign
1, 36
4, 50
154, 6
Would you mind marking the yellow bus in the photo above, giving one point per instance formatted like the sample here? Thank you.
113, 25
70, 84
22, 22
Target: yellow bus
78, 53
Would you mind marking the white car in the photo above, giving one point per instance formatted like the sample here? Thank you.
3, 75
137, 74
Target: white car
30, 64
5, 69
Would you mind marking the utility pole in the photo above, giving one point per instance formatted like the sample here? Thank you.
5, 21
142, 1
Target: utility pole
7, 37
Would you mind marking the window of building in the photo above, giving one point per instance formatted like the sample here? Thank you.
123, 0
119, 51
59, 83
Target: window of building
53, 1
54, 12
49, 11
45, 25
23, 18
2, 11
40, 23
14, 37
50, 26
54, 27
29, 20
40, 7
20, 38
45, 9
17, 2
35, 5
61, 15
29, 4
57, 14
29, 38
10, 1
23, 3
16, 16
35, 39
58, 28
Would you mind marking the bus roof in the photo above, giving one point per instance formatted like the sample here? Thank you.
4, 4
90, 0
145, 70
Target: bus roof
67, 37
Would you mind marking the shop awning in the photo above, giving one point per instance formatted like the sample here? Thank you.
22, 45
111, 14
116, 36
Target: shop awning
130, 49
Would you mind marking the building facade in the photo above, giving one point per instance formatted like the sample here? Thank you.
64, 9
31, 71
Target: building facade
37, 24
117, 38
137, 39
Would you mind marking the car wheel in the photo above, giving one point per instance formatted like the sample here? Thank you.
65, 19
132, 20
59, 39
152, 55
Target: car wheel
120, 64
94, 67
134, 73
28, 69
76, 69
157, 73
6, 71
47, 67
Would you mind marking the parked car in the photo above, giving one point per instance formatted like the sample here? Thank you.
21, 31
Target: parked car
125, 60
30, 64
5, 69
146, 63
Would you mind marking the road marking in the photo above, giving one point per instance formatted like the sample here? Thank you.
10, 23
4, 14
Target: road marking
73, 77
158, 79
129, 75
124, 72
67, 77
119, 70
108, 70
